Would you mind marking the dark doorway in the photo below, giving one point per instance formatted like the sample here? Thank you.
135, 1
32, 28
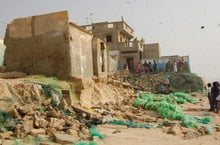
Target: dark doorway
130, 62
103, 57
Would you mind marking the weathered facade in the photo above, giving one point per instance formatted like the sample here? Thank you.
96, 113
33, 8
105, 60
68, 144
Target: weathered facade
131, 53
48, 44
99, 57
118, 37
2, 52
151, 51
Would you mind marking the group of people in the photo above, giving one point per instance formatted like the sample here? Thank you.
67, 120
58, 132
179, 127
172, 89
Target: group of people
147, 66
213, 95
177, 66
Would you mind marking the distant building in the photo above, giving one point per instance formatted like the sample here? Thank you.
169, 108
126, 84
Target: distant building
151, 51
51, 45
120, 43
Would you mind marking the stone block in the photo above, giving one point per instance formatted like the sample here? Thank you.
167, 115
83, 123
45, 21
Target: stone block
175, 130
37, 132
56, 123
28, 125
6, 135
49, 143
64, 138
8, 142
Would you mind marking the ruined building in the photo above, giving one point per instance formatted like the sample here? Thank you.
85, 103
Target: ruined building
123, 49
51, 45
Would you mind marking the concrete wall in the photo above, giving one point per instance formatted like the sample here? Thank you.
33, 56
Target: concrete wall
37, 45
113, 60
50, 45
2, 52
99, 57
151, 51
80, 52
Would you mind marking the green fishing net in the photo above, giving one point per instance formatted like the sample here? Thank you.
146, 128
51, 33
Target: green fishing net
94, 132
135, 125
51, 91
85, 143
166, 106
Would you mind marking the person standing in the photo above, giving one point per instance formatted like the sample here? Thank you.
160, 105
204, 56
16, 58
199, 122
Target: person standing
146, 67
125, 66
138, 69
209, 87
151, 66
175, 66
167, 81
155, 66
214, 94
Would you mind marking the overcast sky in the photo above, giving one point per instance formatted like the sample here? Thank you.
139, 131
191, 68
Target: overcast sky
181, 27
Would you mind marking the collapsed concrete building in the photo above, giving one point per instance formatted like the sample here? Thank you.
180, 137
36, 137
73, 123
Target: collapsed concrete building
51, 45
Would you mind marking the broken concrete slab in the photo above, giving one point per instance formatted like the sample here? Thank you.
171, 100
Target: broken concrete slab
8, 142
56, 123
28, 125
6, 135
65, 138
37, 132
49, 143
12, 75
175, 130
39, 121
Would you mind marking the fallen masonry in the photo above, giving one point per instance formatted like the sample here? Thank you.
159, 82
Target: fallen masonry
47, 114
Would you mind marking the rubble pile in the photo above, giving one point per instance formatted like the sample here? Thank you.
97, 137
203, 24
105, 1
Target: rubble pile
40, 110
34, 114
51, 113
